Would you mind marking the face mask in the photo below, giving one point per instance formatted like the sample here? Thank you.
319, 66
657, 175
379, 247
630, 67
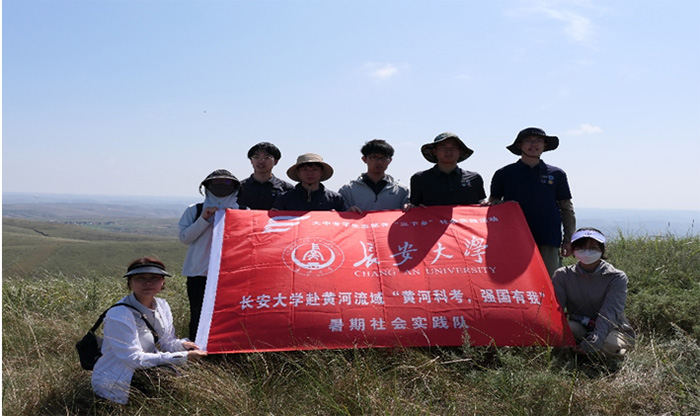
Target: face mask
220, 190
587, 256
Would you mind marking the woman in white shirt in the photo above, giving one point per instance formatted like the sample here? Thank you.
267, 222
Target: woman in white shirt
128, 342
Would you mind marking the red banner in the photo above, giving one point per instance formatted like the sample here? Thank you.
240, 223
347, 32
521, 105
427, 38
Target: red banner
283, 280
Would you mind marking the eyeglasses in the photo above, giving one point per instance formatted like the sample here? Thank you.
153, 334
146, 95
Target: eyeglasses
380, 159
262, 158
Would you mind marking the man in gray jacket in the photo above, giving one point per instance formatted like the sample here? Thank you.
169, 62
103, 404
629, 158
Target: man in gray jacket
374, 190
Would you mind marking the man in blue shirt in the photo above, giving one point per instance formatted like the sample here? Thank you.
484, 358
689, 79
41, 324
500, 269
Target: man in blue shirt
543, 193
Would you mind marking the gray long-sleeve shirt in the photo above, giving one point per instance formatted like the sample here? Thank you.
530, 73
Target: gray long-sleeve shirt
600, 295
357, 193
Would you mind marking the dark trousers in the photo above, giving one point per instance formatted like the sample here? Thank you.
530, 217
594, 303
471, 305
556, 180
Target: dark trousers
195, 293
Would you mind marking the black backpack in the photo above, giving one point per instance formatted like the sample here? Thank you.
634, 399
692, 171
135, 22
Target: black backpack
89, 346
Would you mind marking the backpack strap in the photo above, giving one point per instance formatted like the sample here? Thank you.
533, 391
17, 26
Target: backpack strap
200, 207
148, 324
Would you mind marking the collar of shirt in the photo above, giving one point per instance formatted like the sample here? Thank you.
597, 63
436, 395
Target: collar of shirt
540, 166
272, 180
456, 171
310, 195
150, 314
375, 186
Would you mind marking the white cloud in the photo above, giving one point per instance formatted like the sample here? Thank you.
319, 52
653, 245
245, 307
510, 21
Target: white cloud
577, 28
585, 129
380, 71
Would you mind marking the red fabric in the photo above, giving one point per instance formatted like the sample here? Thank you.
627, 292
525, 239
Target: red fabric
383, 279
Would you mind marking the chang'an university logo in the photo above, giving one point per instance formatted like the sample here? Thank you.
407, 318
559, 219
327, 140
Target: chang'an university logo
313, 256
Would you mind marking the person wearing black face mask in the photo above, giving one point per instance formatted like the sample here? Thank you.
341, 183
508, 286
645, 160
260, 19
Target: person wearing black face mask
594, 293
220, 192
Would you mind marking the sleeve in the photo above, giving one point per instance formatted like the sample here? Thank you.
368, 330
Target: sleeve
405, 194
558, 281
341, 204
480, 187
190, 230
496, 190
563, 190
568, 218
416, 191
346, 192
242, 197
611, 310
121, 335
168, 341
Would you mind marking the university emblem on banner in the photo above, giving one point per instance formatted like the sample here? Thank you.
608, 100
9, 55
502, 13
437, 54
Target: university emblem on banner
313, 256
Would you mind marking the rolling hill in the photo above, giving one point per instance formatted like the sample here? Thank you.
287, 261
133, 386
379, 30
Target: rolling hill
36, 248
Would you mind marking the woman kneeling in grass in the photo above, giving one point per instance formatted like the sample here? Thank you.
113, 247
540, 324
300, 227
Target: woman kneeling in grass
593, 293
129, 344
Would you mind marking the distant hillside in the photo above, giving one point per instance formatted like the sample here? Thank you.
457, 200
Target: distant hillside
159, 215
90, 211
148, 216
36, 248
639, 222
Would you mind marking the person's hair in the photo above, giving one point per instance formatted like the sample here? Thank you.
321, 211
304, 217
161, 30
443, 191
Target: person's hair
140, 262
319, 165
582, 241
266, 147
377, 146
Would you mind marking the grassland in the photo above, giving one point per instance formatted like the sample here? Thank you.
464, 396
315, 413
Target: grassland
34, 248
49, 302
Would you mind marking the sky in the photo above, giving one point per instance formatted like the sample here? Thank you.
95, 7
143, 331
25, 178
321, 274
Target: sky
146, 98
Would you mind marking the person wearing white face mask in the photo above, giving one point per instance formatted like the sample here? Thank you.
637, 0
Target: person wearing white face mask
220, 193
594, 293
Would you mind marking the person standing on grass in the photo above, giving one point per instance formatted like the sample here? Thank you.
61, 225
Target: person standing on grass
129, 346
374, 190
594, 293
196, 225
309, 194
262, 187
543, 193
446, 183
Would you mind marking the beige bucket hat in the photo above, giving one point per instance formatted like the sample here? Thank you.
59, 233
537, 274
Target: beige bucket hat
310, 158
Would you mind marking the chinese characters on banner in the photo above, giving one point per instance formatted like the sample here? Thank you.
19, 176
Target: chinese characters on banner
284, 280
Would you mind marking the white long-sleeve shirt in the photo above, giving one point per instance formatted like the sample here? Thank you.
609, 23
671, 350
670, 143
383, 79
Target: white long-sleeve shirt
128, 345
196, 233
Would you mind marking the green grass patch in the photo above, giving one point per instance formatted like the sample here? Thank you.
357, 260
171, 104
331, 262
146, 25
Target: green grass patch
45, 314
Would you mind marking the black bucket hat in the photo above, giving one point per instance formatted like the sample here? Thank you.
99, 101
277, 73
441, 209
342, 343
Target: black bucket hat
427, 149
550, 142
220, 174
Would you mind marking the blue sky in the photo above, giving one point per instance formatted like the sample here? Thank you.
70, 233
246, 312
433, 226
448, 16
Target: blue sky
148, 97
